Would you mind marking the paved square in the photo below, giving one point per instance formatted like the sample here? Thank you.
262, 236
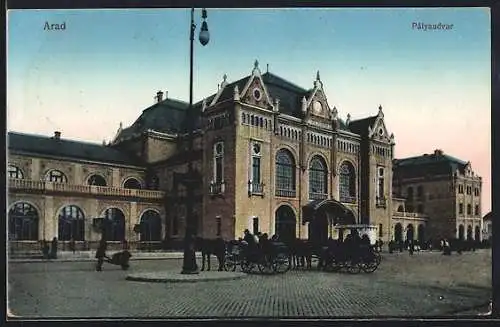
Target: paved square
425, 284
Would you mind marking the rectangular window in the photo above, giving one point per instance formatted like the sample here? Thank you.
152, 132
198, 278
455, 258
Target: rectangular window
460, 189
380, 231
256, 170
218, 170
219, 226
219, 162
255, 226
469, 209
380, 182
476, 210
460, 208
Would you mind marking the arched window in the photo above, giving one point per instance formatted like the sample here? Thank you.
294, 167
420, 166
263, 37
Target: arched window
347, 183
132, 183
285, 174
114, 225
150, 226
71, 224
96, 180
15, 172
400, 208
318, 179
56, 176
23, 222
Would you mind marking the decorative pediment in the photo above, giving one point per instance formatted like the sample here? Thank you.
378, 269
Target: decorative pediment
316, 103
378, 131
255, 91
222, 86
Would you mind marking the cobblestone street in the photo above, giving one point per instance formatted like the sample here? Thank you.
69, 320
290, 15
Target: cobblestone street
425, 284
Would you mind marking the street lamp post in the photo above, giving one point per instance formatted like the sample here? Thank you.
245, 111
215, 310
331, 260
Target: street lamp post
189, 262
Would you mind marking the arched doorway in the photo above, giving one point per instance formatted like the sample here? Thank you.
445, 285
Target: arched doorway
71, 224
23, 222
324, 213
477, 234
469, 233
410, 232
461, 232
114, 225
150, 226
285, 223
398, 233
421, 234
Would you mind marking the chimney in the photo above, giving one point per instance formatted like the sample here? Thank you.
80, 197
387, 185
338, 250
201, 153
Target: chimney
57, 135
159, 96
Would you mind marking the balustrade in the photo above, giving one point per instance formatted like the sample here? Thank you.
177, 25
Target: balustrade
21, 184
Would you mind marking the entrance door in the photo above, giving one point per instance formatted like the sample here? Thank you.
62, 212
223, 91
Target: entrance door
285, 223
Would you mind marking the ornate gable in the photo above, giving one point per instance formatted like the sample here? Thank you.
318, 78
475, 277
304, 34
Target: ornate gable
255, 91
378, 131
316, 104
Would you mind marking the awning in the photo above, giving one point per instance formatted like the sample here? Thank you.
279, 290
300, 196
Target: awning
346, 216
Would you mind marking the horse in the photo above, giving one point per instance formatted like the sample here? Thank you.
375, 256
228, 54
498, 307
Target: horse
208, 247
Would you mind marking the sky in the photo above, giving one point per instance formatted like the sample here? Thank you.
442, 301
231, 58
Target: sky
106, 66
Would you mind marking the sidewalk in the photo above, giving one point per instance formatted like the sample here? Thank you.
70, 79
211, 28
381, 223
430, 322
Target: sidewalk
68, 256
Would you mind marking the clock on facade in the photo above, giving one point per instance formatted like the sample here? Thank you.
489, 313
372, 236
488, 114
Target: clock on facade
317, 107
257, 94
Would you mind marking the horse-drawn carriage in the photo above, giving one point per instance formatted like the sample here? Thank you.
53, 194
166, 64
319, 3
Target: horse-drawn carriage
270, 258
353, 254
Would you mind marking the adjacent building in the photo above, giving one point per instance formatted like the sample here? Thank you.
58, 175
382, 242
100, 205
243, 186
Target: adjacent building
443, 188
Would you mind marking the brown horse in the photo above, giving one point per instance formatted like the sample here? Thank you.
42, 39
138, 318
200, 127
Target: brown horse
208, 247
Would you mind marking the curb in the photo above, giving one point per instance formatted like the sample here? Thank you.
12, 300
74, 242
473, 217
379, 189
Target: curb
176, 278
133, 258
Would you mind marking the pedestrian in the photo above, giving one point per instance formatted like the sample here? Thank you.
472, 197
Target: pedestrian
53, 249
72, 245
100, 254
410, 247
45, 249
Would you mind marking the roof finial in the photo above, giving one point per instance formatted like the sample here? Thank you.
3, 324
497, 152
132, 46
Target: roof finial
121, 125
236, 93
267, 68
256, 64
224, 78
317, 76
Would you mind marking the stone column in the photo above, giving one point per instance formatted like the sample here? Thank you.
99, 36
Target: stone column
50, 221
131, 220
116, 177
93, 212
35, 169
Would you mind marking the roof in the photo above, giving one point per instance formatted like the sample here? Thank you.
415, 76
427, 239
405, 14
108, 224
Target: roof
436, 161
169, 115
344, 213
44, 145
360, 126
166, 116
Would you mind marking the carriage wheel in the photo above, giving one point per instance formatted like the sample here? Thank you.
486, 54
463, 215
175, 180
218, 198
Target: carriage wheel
247, 266
282, 263
369, 267
354, 268
265, 266
230, 264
